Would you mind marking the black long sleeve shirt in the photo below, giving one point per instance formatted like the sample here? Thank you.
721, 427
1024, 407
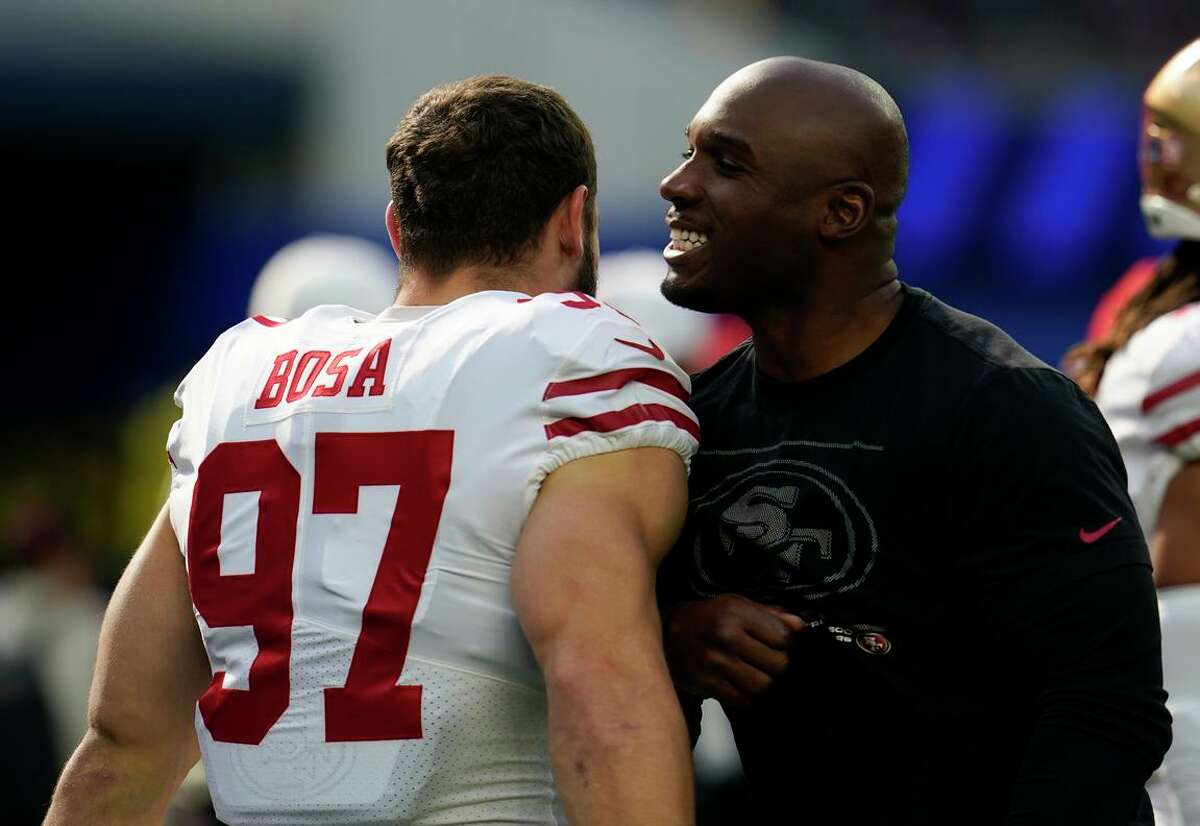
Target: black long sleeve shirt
951, 514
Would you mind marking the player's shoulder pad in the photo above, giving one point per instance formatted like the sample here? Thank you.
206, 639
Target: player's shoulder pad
610, 386
223, 345
258, 327
1167, 354
575, 328
1169, 347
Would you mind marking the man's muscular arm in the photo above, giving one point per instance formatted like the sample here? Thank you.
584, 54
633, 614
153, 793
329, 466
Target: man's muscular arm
150, 671
583, 587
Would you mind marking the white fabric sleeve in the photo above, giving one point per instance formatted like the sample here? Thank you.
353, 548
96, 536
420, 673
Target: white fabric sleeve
1172, 402
616, 390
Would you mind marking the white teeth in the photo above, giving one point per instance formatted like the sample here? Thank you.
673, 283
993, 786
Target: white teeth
686, 239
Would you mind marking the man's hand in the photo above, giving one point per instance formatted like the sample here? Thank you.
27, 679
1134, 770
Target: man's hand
729, 647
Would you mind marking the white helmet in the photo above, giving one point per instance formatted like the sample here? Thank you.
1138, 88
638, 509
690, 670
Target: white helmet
1170, 150
325, 269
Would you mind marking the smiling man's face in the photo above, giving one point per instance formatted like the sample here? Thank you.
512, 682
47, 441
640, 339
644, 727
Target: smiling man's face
747, 199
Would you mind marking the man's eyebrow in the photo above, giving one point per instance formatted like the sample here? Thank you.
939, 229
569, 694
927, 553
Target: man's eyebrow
724, 139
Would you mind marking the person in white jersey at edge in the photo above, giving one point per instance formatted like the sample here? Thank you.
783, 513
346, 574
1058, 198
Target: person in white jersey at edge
420, 546
1145, 377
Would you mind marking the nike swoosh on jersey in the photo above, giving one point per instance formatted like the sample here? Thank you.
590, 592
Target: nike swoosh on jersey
653, 349
1088, 537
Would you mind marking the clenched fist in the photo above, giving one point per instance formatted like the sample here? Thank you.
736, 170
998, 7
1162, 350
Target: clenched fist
728, 647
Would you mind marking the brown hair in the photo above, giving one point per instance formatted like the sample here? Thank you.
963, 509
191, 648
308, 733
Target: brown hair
1176, 282
477, 167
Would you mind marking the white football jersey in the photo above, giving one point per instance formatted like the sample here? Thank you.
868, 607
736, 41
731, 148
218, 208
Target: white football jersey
1150, 395
348, 491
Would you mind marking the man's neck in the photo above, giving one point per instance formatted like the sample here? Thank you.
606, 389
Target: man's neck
825, 330
417, 289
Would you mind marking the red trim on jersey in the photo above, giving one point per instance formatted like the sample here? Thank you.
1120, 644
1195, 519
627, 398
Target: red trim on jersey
1179, 434
1159, 396
618, 310
267, 322
617, 379
617, 419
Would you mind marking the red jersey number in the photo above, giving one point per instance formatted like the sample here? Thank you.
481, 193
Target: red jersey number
370, 706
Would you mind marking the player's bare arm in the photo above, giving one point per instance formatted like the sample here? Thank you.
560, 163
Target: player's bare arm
1175, 544
583, 587
150, 670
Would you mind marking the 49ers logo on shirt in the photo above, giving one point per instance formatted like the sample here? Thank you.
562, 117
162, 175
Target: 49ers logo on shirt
324, 374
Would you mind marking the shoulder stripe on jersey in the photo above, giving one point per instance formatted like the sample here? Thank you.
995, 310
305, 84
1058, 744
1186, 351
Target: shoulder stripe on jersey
1179, 434
267, 321
617, 419
1159, 396
659, 379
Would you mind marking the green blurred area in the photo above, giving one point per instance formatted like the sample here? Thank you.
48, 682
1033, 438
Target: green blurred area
104, 477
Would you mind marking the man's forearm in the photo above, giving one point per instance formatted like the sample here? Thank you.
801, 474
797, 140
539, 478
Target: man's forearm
1069, 778
619, 747
107, 783
1102, 725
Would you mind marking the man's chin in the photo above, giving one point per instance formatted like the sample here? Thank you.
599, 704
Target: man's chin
689, 294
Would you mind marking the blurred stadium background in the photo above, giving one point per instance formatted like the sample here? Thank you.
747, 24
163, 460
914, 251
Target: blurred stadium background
159, 155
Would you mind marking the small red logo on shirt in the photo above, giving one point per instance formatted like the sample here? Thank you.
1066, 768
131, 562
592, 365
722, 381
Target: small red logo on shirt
1088, 537
873, 643
653, 349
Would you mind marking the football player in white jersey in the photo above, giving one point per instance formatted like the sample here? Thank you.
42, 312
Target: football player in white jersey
406, 569
1145, 377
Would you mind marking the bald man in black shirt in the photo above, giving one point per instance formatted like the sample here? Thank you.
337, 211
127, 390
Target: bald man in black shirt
911, 571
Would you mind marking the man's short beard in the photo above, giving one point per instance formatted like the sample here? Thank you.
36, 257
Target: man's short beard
691, 298
585, 274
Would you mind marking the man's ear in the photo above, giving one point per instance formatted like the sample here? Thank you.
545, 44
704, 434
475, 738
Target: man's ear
393, 228
569, 222
847, 210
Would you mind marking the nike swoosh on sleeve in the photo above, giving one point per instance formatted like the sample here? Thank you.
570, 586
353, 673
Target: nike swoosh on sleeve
653, 349
1088, 537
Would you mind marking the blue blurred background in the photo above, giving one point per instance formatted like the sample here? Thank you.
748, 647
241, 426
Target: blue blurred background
158, 154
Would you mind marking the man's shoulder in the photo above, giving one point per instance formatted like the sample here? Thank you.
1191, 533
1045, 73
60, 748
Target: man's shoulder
975, 340
1151, 386
993, 366
1167, 350
1000, 388
561, 323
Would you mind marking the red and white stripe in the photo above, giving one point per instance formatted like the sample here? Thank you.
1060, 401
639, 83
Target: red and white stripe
1175, 388
1178, 435
633, 414
1182, 432
660, 379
